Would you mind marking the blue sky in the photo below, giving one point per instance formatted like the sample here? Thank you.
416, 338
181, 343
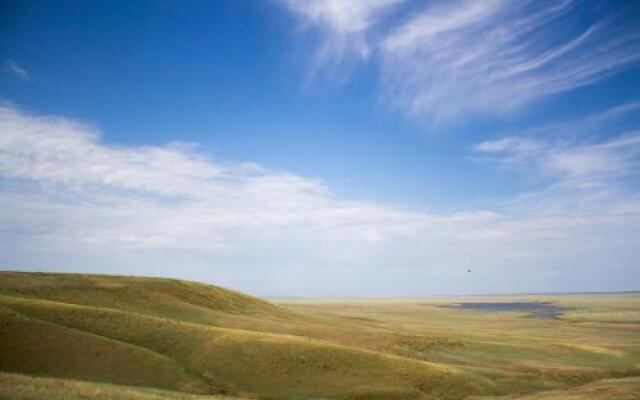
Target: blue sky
324, 147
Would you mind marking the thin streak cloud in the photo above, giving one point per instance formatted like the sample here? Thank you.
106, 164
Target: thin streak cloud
451, 59
344, 28
12, 68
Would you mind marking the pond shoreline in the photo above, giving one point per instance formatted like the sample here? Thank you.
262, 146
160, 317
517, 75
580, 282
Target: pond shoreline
536, 309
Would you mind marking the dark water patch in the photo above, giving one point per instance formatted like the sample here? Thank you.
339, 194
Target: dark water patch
541, 310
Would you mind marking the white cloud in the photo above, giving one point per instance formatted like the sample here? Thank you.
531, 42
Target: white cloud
343, 16
344, 26
577, 164
596, 161
437, 21
450, 58
68, 156
14, 69
71, 201
513, 151
572, 151
499, 55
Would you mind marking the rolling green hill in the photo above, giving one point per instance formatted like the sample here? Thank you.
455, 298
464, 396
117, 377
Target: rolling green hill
194, 339
22, 387
606, 389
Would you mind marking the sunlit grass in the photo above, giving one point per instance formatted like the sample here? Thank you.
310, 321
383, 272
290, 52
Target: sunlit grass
197, 339
22, 387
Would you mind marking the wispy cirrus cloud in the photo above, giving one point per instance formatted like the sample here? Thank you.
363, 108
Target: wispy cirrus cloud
584, 152
575, 163
16, 70
452, 58
344, 27
70, 200
498, 55
589, 166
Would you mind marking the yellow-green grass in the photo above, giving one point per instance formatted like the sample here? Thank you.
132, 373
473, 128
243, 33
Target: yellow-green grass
37, 347
607, 389
521, 354
200, 339
199, 357
22, 387
170, 298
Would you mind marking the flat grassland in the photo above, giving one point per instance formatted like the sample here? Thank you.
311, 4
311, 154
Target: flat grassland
591, 351
69, 336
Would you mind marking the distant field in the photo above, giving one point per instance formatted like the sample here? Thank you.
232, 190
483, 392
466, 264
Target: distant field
100, 337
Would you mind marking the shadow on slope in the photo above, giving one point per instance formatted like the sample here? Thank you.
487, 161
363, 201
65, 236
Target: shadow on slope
199, 358
22, 387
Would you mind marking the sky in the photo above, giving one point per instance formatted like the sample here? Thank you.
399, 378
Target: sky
324, 148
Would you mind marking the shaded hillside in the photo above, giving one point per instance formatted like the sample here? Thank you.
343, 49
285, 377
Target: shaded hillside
22, 387
161, 297
166, 334
606, 389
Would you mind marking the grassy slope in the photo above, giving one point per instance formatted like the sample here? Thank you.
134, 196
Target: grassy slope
607, 389
174, 335
597, 339
197, 338
22, 387
32, 346
169, 298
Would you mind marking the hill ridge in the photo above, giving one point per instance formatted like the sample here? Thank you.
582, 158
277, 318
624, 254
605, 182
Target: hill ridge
198, 334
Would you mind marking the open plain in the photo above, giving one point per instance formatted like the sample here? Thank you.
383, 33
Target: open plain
67, 336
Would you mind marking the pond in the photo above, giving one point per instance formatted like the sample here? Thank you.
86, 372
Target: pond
542, 310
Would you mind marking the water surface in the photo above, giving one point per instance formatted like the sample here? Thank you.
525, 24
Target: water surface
535, 309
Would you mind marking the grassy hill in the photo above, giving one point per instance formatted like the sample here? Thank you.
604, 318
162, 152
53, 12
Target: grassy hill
606, 389
23, 387
73, 336
170, 298
195, 339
